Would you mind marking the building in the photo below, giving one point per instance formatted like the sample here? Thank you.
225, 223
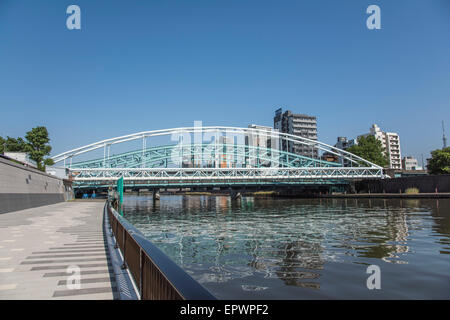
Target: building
259, 140
330, 157
390, 142
410, 163
343, 143
263, 144
22, 157
300, 125
225, 156
60, 172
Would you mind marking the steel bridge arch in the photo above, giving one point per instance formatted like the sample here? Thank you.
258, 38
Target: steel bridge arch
217, 130
164, 157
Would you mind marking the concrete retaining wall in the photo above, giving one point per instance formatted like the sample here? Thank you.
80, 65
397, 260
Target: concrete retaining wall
23, 187
425, 184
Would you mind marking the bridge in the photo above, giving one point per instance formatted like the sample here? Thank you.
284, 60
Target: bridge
213, 156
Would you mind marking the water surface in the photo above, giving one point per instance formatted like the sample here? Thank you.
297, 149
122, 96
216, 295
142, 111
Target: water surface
302, 248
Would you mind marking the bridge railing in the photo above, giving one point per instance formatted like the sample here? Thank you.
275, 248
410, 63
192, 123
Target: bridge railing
197, 174
156, 276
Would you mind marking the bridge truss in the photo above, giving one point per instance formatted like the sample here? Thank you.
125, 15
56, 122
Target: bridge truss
217, 156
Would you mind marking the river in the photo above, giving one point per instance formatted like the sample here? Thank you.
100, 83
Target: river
257, 248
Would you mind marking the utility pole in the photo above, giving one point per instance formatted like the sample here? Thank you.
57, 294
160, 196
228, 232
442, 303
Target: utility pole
444, 139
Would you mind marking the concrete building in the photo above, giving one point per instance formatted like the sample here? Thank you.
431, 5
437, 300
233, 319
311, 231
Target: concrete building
301, 125
22, 157
258, 127
60, 172
259, 140
262, 141
390, 142
410, 163
344, 143
226, 156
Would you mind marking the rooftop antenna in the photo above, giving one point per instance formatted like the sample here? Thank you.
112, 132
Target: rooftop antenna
444, 139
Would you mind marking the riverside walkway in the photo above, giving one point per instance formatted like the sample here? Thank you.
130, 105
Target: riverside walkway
38, 246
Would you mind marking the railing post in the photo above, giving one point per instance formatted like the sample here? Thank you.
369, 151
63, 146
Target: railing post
116, 244
124, 235
109, 216
141, 267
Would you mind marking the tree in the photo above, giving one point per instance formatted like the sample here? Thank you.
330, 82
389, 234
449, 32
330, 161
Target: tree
370, 149
38, 147
440, 161
49, 162
15, 145
2, 145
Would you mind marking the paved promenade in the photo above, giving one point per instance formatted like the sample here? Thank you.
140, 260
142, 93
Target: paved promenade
38, 245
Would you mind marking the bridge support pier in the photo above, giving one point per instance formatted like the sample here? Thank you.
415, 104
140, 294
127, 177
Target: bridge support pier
235, 194
156, 195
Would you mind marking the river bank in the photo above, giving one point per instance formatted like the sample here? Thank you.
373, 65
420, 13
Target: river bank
389, 195
275, 194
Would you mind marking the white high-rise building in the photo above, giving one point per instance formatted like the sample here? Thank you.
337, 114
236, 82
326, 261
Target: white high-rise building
390, 142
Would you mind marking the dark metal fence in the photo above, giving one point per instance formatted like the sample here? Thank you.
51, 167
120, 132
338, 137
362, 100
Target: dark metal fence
156, 275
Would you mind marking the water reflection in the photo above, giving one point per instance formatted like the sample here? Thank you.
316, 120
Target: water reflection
246, 245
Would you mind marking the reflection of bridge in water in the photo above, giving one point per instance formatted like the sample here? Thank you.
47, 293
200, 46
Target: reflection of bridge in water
215, 156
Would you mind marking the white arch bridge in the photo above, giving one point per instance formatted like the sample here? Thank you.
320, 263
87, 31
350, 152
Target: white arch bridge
214, 156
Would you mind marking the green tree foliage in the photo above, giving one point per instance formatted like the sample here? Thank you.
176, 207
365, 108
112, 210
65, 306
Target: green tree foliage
38, 147
49, 162
370, 149
15, 145
440, 161
2, 145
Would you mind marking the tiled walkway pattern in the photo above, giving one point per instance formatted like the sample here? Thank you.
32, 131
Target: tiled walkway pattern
40, 247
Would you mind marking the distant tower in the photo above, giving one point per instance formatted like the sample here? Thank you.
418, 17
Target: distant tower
444, 139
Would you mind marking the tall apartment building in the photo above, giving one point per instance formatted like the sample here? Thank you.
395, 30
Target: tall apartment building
390, 142
299, 125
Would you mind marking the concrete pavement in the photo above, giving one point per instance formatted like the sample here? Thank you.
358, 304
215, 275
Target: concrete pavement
43, 248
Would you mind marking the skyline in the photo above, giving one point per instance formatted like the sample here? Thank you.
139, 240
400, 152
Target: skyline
169, 64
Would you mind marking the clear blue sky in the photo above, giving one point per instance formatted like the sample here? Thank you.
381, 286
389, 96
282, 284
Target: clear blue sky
143, 65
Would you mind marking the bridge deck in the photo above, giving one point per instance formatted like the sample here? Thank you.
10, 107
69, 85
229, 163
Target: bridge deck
37, 246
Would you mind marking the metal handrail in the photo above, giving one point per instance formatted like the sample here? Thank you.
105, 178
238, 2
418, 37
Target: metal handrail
155, 274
